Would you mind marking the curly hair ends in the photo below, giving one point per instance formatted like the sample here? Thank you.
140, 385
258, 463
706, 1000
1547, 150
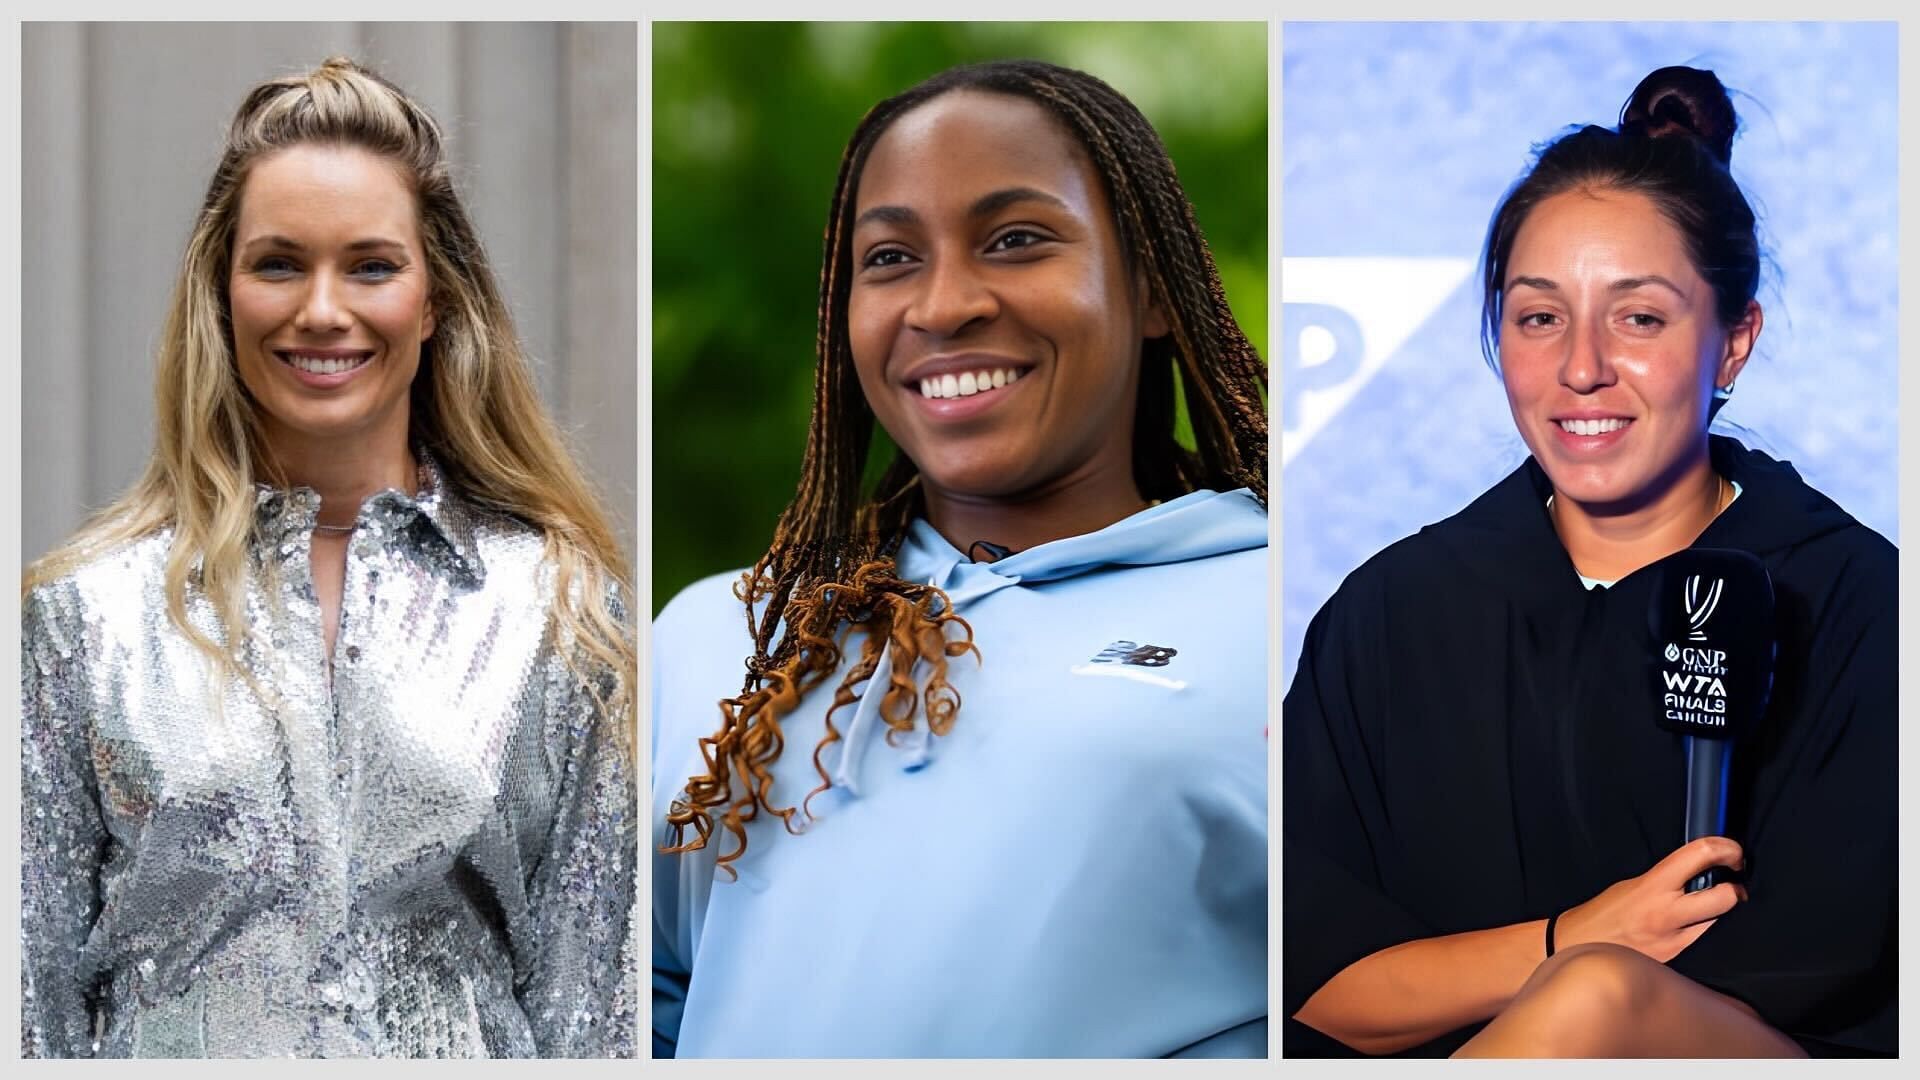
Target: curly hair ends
908, 620
830, 570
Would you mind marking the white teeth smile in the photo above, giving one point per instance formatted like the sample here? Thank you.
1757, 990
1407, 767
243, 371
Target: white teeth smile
324, 365
967, 383
1593, 427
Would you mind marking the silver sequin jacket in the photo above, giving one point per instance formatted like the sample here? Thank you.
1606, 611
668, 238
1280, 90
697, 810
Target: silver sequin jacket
428, 851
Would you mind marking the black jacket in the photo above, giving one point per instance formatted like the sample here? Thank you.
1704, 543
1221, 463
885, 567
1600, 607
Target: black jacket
1469, 742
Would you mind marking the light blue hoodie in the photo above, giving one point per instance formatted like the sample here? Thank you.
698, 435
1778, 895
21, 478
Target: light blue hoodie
1079, 868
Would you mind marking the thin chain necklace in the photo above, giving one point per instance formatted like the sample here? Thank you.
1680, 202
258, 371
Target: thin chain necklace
317, 527
1720, 499
1720, 502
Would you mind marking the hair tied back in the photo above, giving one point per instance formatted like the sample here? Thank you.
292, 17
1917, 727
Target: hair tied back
1682, 101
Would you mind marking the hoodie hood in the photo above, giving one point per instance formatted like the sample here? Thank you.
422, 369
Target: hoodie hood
1194, 526
1508, 528
1198, 525
1785, 513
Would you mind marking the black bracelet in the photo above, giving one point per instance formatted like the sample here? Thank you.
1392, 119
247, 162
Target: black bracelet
1551, 919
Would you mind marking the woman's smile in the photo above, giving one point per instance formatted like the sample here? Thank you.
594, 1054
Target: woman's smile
993, 320
960, 387
1592, 434
1610, 349
324, 369
329, 297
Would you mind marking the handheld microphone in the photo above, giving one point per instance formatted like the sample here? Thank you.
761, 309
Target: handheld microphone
1711, 617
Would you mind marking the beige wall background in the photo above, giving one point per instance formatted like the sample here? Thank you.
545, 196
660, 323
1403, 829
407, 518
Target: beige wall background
121, 125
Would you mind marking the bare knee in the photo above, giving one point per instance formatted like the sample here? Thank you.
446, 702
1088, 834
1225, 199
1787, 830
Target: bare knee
1600, 975
1586, 1001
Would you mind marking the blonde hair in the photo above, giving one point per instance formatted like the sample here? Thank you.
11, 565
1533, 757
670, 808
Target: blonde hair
475, 407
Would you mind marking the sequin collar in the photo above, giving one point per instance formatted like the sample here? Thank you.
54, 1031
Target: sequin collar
387, 517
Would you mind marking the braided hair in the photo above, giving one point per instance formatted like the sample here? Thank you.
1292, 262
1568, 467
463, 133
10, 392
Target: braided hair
831, 567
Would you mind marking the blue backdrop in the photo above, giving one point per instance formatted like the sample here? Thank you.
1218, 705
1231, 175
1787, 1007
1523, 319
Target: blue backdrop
1397, 140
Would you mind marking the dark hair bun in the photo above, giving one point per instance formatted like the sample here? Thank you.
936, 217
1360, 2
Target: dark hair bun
1682, 101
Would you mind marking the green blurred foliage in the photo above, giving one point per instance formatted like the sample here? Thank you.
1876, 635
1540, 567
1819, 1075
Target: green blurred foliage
749, 124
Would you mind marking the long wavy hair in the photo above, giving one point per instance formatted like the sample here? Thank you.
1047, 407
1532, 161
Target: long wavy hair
474, 407
830, 569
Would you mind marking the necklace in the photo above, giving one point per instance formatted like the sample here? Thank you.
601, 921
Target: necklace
337, 529
1720, 500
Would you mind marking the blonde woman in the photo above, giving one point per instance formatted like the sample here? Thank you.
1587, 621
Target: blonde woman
324, 722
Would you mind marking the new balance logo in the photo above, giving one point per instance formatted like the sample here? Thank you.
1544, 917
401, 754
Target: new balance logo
1129, 660
1127, 652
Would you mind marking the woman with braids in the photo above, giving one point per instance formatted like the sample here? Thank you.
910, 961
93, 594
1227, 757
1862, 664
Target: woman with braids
995, 781
1483, 821
326, 721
